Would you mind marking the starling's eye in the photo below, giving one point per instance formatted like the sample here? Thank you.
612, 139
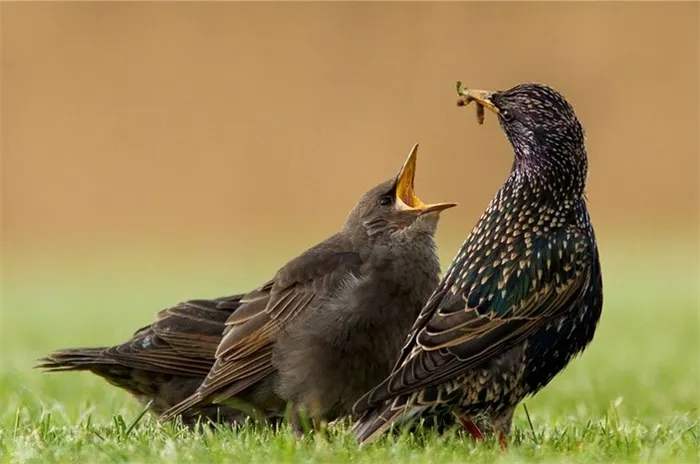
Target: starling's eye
386, 200
505, 114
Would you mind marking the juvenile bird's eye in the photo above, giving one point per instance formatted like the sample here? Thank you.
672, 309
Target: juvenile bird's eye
506, 115
386, 200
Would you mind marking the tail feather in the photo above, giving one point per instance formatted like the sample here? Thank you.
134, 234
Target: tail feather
177, 410
375, 422
74, 359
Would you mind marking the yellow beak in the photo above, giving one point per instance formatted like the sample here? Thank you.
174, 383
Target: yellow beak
406, 199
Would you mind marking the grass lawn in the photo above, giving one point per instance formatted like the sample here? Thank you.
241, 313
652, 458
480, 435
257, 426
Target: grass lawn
632, 397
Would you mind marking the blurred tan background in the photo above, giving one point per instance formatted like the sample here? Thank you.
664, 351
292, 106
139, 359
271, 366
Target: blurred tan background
229, 130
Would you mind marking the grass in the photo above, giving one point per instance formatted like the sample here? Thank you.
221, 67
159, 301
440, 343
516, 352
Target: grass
632, 397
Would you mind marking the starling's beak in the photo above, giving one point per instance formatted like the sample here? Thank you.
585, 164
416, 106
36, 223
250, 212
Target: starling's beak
406, 199
482, 99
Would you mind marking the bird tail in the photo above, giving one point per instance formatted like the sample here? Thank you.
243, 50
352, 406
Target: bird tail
177, 410
375, 422
74, 359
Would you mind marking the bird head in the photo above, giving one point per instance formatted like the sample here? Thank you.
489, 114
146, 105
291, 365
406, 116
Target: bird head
393, 205
540, 124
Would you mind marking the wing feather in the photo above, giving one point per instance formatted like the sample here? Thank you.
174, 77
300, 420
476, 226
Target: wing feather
486, 309
244, 355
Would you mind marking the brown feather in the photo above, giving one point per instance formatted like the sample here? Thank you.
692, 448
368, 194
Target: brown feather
163, 363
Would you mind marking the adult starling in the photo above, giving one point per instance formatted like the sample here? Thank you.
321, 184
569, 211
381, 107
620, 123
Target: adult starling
524, 294
163, 363
330, 324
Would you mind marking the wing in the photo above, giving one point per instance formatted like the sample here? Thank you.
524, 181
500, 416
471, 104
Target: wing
245, 353
182, 340
487, 305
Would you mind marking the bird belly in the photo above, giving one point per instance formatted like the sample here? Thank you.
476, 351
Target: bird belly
551, 348
495, 386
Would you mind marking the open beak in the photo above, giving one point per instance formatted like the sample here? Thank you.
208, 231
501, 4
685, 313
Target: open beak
482, 99
406, 199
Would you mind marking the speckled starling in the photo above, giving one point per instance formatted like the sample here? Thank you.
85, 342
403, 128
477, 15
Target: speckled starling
163, 363
524, 294
330, 324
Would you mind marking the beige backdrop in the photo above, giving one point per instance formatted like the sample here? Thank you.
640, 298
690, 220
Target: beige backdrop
146, 124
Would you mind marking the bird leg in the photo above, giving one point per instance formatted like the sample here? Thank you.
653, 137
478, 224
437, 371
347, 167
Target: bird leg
471, 428
502, 423
502, 441
299, 421
295, 423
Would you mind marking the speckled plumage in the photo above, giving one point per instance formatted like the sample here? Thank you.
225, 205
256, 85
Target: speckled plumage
331, 322
163, 363
524, 294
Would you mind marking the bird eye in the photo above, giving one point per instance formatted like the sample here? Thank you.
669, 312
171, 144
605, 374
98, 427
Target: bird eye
386, 200
505, 114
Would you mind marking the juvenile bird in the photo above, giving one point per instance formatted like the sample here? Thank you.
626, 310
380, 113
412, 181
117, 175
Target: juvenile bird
163, 363
522, 297
330, 324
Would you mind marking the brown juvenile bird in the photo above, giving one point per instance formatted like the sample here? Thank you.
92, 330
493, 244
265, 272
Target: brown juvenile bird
524, 294
163, 363
331, 322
